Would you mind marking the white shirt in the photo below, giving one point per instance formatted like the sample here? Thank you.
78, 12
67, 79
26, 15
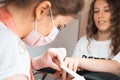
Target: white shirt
14, 58
96, 49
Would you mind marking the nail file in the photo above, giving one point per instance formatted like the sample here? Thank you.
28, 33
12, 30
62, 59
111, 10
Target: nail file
69, 71
74, 74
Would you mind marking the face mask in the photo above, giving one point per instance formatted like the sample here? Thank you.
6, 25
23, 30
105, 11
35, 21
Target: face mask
36, 39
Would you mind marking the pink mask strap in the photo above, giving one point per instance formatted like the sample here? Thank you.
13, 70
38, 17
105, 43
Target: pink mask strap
7, 19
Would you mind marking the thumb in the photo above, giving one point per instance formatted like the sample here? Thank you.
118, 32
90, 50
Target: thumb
55, 66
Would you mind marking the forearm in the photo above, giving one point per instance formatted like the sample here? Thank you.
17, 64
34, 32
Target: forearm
100, 65
36, 63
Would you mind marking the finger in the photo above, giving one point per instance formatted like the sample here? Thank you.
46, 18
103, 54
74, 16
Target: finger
59, 59
70, 64
63, 75
55, 66
57, 73
75, 66
56, 61
69, 77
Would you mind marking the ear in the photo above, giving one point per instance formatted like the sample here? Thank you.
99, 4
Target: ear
42, 9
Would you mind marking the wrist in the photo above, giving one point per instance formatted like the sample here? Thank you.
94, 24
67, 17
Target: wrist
80, 62
36, 63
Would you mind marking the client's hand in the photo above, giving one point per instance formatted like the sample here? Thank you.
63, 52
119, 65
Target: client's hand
50, 58
73, 64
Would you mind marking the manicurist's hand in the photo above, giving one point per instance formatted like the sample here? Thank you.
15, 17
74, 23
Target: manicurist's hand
52, 58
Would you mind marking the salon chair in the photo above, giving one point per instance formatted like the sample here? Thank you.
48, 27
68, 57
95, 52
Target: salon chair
87, 74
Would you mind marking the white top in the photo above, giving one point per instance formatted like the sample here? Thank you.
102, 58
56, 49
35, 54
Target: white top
14, 58
96, 49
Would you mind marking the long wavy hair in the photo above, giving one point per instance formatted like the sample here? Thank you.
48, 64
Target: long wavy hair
114, 27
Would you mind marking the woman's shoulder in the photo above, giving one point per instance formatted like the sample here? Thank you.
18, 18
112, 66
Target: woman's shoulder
7, 36
83, 39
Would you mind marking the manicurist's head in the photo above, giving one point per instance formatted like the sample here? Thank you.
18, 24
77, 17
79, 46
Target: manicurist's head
42, 17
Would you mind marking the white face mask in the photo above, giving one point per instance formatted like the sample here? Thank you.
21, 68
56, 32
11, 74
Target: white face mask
36, 39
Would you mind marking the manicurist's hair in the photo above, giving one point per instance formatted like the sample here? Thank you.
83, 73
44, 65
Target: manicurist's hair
59, 7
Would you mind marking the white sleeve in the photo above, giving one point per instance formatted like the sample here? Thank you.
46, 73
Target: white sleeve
117, 57
14, 59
